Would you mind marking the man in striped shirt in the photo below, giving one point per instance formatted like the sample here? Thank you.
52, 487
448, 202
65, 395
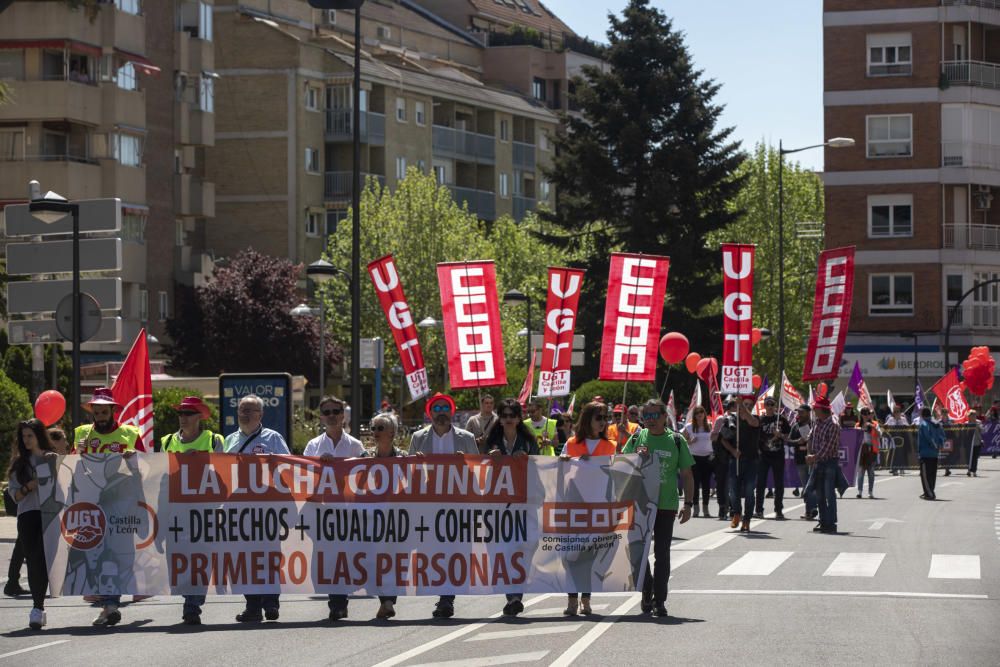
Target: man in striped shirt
824, 454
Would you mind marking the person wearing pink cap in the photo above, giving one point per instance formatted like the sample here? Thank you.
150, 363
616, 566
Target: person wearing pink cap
824, 454
441, 437
105, 435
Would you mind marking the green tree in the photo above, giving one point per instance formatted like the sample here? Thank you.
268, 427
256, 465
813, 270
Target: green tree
756, 204
421, 226
14, 407
646, 169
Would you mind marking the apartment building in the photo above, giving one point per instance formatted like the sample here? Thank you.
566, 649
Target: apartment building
283, 155
116, 101
917, 84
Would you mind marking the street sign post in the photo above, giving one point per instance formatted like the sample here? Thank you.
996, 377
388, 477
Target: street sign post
57, 256
96, 215
43, 296
31, 332
90, 317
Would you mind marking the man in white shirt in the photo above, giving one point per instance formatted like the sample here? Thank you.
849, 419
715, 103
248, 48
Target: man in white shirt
897, 418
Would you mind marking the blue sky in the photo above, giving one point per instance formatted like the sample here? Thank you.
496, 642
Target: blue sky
767, 54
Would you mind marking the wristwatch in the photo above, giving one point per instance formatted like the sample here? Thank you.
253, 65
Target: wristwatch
689, 504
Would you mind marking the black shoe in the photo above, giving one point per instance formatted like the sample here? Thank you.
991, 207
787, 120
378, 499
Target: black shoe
647, 605
924, 496
795, 493
12, 589
947, 473
513, 608
859, 495
338, 614
759, 514
660, 611
770, 494
191, 619
271, 614
248, 616
831, 529
723, 515
443, 610
818, 528
779, 516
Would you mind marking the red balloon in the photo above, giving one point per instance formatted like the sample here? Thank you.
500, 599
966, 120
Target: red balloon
821, 389
754, 336
50, 406
978, 371
756, 381
691, 362
707, 367
674, 347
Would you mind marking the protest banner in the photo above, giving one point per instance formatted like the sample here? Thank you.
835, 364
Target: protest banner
560, 320
389, 289
831, 314
473, 338
222, 524
737, 318
899, 446
991, 438
633, 312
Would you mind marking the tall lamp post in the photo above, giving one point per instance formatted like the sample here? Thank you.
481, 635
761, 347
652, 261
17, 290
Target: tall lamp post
836, 142
431, 323
320, 272
512, 298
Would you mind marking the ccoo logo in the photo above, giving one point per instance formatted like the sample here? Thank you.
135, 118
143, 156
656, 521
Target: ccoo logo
83, 526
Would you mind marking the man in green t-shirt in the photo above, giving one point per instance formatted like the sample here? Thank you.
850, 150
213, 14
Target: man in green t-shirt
674, 457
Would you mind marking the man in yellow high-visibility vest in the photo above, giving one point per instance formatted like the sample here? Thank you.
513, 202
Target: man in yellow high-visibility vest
543, 427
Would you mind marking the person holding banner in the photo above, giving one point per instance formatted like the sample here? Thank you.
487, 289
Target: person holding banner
543, 427
744, 453
724, 431
384, 428
32, 449
698, 433
824, 456
930, 439
591, 439
674, 458
774, 431
253, 438
621, 427
871, 436
480, 424
440, 437
799, 440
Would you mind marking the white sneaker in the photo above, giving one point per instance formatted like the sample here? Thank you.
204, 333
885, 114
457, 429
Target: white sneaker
36, 620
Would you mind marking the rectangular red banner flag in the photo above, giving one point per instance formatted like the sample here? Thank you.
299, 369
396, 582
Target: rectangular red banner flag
952, 396
831, 314
133, 390
471, 312
560, 321
637, 285
737, 317
389, 289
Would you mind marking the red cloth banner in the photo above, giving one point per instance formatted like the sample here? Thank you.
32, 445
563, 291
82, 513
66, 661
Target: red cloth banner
949, 390
637, 285
529, 380
560, 321
737, 318
389, 289
472, 334
831, 314
133, 390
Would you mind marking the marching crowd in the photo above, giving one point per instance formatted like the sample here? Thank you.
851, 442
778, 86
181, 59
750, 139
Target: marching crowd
744, 452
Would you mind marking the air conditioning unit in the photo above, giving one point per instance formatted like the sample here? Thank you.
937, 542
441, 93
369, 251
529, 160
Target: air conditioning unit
330, 17
384, 32
982, 198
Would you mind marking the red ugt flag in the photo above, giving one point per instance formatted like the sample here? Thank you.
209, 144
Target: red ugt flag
133, 390
950, 391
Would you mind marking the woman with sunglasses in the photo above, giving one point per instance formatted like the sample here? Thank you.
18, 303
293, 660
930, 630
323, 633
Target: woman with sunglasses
591, 439
32, 449
384, 428
510, 436
699, 436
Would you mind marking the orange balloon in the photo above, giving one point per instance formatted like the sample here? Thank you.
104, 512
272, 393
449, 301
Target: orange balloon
756, 381
755, 336
821, 389
691, 362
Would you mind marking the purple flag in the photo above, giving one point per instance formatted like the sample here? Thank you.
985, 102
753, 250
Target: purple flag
918, 397
856, 380
764, 385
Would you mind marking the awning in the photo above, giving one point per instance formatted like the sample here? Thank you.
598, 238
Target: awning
74, 46
134, 209
141, 63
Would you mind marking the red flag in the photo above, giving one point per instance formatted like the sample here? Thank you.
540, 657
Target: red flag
831, 314
471, 312
529, 380
390, 294
633, 311
560, 319
707, 374
133, 390
737, 320
952, 396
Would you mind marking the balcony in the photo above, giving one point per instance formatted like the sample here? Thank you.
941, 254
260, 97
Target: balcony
53, 100
521, 206
986, 4
972, 237
125, 107
194, 197
73, 177
462, 145
967, 154
337, 184
481, 203
524, 155
972, 73
976, 317
123, 30
339, 126
122, 181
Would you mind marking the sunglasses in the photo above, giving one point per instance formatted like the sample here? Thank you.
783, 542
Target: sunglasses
441, 408
186, 413
508, 415
651, 415
379, 428
56, 437
332, 411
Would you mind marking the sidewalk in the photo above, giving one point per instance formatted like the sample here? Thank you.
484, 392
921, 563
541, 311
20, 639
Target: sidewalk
8, 527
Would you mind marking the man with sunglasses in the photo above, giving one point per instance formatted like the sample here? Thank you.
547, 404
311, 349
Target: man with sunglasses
440, 437
675, 457
334, 443
744, 456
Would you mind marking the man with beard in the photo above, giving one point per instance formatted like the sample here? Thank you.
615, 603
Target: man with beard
442, 438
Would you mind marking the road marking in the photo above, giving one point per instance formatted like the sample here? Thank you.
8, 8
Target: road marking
679, 558
864, 594
509, 659
757, 563
878, 524
854, 565
460, 632
953, 567
952, 484
33, 648
705, 542
526, 632
602, 626
559, 610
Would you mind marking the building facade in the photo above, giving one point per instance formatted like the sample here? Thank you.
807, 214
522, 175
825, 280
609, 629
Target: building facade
917, 84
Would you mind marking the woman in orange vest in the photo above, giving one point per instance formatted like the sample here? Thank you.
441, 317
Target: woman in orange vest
871, 434
591, 439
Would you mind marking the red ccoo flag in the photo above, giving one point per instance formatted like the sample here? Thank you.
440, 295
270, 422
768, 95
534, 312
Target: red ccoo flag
133, 389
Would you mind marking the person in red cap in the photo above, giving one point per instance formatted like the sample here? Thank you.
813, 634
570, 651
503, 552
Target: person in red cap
620, 429
440, 437
824, 455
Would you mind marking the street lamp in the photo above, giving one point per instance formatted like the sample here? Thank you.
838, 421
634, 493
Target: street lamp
431, 323
321, 272
49, 209
512, 298
836, 142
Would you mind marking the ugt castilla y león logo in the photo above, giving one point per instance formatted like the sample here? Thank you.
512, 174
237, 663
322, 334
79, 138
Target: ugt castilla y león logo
84, 526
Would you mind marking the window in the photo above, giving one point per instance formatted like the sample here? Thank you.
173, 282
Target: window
890, 294
384, 32
400, 168
313, 221
543, 190
196, 20
312, 160
889, 55
419, 113
890, 136
333, 218
143, 305
422, 166
127, 149
504, 184
543, 141
11, 144
11, 64
164, 306
440, 174
538, 88
505, 130
312, 98
128, 6
133, 226
206, 96
953, 287
179, 233
204, 21
890, 215
126, 77
401, 109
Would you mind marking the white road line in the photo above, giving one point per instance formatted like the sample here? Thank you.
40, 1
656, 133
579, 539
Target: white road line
678, 558
602, 626
954, 567
33, 648
558, 610
951, 484
706, 542
460, 632
526, 632
757, 563
854, 565
864, 594
509, 659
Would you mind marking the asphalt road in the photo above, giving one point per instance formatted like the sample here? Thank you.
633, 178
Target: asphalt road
906, 582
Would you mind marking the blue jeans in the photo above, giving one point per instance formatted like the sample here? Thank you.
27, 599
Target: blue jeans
112, 600
808, 486
192, 604
826, 474
258, 602
871, 478
742, 484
